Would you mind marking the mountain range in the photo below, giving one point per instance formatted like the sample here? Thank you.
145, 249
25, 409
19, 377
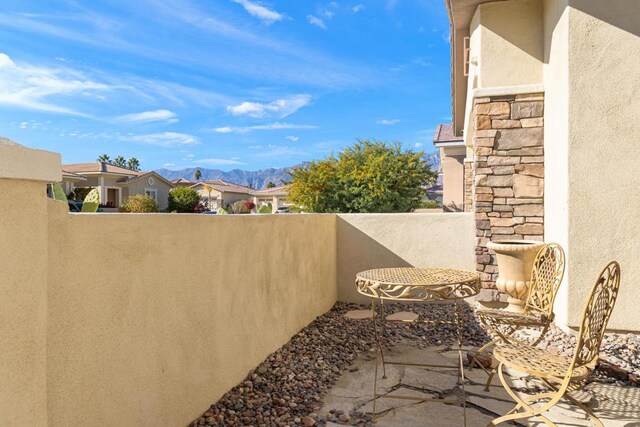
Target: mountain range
255, 179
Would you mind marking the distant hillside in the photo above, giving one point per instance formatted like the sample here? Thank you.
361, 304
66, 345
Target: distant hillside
257, 179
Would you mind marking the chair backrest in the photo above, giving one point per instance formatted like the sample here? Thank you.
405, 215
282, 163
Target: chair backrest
546, 276
596, 314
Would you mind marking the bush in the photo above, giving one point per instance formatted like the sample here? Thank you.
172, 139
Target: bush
265, 209
183, 199
140, 203
430, 204
367, 177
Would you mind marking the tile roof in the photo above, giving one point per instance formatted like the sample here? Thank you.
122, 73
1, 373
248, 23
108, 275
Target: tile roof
7, 141
142, 175
182, 181
444, 133
282, 190
98, 167
224, 186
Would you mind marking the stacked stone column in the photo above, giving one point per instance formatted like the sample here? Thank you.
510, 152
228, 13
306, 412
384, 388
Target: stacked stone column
508, 176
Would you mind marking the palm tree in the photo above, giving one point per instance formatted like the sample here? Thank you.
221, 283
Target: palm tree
270, 184
133, 164
197, 175
104, 158
120, 161
209, 189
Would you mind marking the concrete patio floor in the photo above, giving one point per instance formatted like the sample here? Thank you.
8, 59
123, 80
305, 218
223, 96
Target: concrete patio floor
350, 398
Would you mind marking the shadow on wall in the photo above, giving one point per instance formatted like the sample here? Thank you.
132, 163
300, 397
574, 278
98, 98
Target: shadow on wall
622, 14
357, 251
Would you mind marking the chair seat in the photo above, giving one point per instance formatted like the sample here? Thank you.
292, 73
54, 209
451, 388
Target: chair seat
541, 363
496, 315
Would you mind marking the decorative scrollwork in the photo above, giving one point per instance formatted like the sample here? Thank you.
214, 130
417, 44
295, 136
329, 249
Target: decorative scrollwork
418, 284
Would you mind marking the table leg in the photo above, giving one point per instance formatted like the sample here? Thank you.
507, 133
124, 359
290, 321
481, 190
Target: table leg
459, 321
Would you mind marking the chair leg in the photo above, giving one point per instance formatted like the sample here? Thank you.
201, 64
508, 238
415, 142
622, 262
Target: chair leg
529, 411
593, 417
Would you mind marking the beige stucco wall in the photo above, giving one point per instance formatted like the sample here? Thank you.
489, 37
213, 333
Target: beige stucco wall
510, 39
368, 241
453, 177
603, 150
178, 322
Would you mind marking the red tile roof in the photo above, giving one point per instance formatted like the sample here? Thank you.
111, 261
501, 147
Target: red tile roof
282, 190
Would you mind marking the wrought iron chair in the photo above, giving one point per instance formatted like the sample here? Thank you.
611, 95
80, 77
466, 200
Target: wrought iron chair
562, 374
546, 276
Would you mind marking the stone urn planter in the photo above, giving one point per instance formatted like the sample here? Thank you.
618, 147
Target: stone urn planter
515, 261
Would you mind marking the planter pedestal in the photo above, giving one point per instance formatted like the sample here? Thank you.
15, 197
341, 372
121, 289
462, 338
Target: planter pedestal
515, 261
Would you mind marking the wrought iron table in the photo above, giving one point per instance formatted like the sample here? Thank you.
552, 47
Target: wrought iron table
427, 285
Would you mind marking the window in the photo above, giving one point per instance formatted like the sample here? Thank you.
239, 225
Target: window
151, 192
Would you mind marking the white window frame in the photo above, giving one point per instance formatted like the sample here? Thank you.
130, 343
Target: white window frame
151, 192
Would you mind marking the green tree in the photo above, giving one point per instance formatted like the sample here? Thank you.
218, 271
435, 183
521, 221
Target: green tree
133, 164
104, 158
270, 184
370, 176
183, 199
209, 189
120, 161
197, 175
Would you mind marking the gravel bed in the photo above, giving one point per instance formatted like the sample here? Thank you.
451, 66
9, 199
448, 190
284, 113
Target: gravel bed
287, 388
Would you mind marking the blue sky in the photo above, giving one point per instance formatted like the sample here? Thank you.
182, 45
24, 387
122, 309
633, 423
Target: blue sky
221, 83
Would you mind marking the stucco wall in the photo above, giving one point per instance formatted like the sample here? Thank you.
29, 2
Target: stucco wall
603, 174
23, 299
453, 178
510, 39
368, 241
153, 317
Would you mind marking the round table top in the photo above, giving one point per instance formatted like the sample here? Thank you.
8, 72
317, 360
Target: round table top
418, 284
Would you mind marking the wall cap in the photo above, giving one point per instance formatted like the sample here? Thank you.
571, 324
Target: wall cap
507, 90
19, 162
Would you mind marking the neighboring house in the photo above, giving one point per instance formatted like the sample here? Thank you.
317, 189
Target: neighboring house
224, 193
451, 173
116, 183
546, 97
71, 180
277, 196
181, 182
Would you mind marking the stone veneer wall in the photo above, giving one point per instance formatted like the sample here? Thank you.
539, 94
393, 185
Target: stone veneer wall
468, 186
508, 176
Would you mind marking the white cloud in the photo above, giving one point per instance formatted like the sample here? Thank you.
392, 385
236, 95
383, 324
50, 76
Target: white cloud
168, 165
280, 108
388, 122
270, 126
314, 20
29, 87
357, 8
150, 116
326, 13
417, 144
293, 138
163, 139
219, 162
261, 12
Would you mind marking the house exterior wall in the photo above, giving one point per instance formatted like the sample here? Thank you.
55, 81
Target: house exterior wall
141, 185
582, 56
453, 178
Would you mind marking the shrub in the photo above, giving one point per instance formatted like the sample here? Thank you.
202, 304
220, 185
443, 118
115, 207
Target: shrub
265, 209
140, 203
79, 193
183, 199
430, 204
